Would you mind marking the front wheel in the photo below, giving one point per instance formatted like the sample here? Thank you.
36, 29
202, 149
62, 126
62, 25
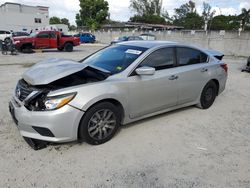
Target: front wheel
208, 95
100, 123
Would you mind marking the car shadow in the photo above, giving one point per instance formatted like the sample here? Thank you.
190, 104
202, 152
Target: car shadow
65, 146
55, 50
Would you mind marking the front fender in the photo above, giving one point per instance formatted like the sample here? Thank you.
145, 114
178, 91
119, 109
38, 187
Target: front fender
89, 94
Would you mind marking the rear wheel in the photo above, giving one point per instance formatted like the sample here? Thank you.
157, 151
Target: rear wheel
208, 95
100, 123
7, 40
68, 47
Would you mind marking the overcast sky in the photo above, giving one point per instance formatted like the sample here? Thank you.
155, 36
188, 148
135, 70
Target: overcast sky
120, 10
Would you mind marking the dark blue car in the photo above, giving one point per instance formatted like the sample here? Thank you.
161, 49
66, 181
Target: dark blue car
86, 37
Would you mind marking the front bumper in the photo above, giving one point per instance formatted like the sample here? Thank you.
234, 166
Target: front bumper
62, 123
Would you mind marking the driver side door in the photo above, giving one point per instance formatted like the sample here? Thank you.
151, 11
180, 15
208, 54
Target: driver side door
152, 93
42, 40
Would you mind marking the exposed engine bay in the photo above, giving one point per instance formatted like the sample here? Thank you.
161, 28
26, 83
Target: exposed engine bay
34, 96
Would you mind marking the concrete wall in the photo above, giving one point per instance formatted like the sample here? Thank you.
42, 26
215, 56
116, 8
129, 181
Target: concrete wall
230, 43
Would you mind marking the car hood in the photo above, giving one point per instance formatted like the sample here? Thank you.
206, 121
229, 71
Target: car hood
51, 70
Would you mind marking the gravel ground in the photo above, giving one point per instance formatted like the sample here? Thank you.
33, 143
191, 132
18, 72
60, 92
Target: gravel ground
181, 149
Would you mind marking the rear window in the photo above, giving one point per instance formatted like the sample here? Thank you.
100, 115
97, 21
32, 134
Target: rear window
189, 56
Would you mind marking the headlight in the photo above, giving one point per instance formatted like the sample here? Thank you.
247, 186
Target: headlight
56, 102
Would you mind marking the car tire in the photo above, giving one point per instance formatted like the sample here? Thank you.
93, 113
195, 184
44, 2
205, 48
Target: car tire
68, 47
60, 49
7, 40
100, 123
27, 49
208, 95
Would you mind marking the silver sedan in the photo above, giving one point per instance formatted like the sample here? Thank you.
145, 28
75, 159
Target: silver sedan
60, 100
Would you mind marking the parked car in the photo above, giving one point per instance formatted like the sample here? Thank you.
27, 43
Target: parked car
4, 35
86, 37
60, 100
247, 68
19, 34
46, 40
126, 38
148, 36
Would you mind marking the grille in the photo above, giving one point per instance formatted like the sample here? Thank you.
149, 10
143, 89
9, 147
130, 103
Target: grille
23, 90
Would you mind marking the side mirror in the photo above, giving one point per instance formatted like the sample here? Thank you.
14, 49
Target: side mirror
145, 71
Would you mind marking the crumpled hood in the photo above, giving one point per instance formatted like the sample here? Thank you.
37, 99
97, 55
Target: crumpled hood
51, 70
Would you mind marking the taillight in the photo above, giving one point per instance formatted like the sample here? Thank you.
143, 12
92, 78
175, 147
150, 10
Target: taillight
225, 67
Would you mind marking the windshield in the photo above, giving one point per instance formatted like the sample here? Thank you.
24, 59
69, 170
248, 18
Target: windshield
115, 58
33, 34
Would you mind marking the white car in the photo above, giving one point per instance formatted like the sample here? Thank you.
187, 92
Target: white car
4, 34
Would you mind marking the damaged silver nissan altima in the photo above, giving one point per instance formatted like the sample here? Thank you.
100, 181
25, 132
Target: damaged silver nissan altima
59, 100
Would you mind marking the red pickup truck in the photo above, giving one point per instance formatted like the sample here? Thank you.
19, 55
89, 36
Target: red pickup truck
46, 40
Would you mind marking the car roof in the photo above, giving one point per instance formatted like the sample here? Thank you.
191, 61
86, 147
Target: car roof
147, 44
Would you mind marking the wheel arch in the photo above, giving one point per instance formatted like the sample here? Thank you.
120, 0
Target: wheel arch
113, 101
26, 44
217, 85
66, 42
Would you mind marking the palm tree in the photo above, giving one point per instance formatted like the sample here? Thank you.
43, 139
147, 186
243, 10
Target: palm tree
245, 18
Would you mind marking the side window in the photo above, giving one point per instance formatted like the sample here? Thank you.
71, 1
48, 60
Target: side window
7, 32
130, 38
2, 32
160, 59
189, 56
52, 35
43, 35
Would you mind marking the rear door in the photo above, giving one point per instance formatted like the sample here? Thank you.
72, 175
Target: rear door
152, 93
193, 73
42, 40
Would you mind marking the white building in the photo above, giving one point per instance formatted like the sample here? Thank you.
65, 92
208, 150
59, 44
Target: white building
18, 17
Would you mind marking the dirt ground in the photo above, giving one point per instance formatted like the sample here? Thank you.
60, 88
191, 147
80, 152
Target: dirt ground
181, 149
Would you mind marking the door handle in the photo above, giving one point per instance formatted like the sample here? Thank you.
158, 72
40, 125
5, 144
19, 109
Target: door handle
204, 70
173, 77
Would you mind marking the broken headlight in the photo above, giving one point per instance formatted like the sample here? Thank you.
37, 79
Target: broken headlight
56, 102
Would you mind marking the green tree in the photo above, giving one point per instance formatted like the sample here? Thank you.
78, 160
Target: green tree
65, 21
148, 11
245, 18
146, 7
72, 28
151, 19
184, 9
192, 20
223, 22
207, 14
92, 13
54, 20
187, 16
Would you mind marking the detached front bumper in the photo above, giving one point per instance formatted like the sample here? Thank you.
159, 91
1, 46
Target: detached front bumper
52, 126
